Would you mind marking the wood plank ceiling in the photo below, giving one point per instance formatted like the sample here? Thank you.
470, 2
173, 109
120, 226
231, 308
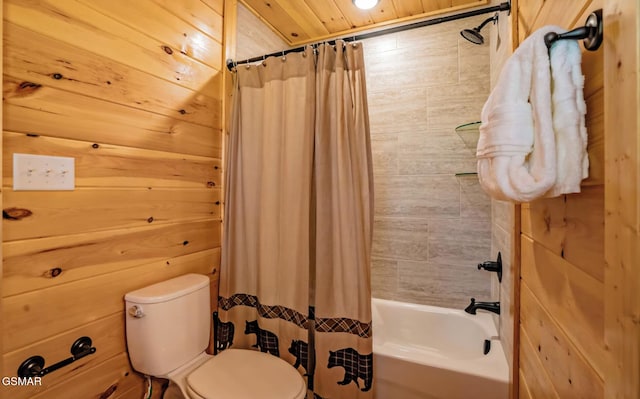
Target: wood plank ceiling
305, 21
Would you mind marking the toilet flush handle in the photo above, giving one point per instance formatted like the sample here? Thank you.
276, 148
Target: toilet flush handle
136, 311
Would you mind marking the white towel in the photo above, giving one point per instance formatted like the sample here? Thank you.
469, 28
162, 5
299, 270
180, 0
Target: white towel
532, 143
569, 109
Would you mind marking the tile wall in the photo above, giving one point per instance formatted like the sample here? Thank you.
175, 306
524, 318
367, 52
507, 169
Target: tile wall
431, 227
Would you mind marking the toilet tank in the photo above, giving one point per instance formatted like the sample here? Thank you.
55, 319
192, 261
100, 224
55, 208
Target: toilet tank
168, 324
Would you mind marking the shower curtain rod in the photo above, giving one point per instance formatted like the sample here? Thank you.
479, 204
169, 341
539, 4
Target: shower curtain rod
506, 6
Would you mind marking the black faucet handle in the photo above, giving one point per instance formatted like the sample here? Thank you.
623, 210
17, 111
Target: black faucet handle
493, 266
490, 266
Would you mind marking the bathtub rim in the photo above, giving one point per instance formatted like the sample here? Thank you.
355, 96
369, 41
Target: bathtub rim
493, 366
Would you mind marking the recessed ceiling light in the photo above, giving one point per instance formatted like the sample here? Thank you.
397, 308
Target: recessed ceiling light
365, 4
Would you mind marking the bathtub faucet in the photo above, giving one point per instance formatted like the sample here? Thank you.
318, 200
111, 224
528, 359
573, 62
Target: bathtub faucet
489, 306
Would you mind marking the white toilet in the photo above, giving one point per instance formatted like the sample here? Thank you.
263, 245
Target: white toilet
168, 327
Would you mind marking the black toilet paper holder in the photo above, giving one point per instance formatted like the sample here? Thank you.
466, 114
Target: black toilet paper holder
34, 366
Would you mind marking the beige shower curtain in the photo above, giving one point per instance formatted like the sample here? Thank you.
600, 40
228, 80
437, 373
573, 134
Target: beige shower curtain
344, 217
295, 276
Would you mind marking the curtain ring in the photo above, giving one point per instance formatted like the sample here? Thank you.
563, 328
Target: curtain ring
264, 60
284, 57
304, 52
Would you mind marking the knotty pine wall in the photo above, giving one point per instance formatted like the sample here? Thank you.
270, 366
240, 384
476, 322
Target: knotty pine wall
562, 350
132, 91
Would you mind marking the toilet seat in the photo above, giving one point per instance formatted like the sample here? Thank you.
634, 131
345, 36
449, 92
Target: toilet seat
246, 374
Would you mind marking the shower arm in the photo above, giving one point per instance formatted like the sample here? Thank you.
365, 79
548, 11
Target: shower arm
485, 22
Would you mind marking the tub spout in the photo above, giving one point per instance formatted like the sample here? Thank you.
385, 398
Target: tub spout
489, 306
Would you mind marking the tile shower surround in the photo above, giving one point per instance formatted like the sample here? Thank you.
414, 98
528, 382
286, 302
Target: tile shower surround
431, 228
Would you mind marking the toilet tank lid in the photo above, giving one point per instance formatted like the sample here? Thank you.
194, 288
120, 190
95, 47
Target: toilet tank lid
169, 289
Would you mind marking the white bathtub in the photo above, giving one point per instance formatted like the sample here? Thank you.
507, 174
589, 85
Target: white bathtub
427, 352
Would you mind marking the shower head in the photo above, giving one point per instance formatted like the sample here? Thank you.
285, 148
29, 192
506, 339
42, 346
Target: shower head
473, 35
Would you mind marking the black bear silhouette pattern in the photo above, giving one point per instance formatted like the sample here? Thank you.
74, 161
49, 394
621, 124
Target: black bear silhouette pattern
355, 366
224, 333
300, 350
267, 341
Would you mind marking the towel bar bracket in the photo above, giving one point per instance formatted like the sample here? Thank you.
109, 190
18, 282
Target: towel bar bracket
591, 33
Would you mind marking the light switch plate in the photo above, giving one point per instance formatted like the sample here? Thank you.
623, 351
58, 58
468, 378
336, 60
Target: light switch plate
43, 173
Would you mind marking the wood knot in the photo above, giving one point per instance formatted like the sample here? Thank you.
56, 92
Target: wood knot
95, 145
15, 213
182, 112
167, 50
211, 184
57, 76
110, 391
217, 202
185, 242
55, 272
28, 88
216, 167
150, 219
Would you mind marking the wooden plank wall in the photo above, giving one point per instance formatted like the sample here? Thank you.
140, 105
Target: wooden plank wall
133, 91
562, 351
2, 371
622, 198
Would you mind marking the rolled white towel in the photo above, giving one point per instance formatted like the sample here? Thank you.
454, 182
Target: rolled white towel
516, 148
532, 143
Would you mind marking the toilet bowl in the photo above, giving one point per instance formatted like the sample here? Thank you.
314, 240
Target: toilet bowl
168, 328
